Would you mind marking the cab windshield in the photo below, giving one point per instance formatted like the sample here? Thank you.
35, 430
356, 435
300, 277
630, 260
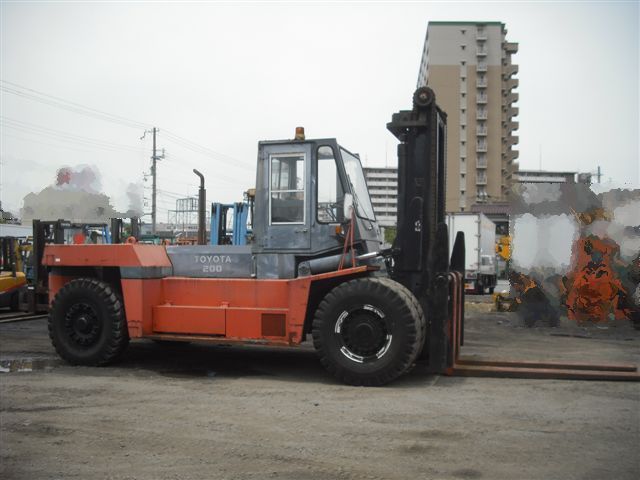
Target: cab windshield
358, 185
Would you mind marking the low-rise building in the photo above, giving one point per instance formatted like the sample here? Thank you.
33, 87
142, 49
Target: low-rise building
543, 176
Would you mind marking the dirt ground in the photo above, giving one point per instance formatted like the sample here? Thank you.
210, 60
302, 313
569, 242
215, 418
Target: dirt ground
202, 411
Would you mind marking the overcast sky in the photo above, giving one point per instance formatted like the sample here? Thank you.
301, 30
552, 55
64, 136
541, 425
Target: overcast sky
227, 75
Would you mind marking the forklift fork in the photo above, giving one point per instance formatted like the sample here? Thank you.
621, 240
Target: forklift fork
471, 367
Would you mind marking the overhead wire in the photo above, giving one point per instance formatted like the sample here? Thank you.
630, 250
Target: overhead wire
197, 148
57, 134
32, 94
81, 147
93, 143
52, 100
171, 158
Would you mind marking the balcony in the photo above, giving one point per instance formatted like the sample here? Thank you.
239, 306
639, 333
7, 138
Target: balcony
481, 67
481, 51
481, 147
511, 84
481, 82
510, 47
510, 126
512, 139
463, 167
511, 155
481, 35
481, 179
510, 98
463, 184
482, 114
481, 162
509, 70
481, 131
508, 113
481, 97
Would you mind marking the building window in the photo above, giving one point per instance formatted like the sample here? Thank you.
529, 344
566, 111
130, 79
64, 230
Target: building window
463, 31
463, 47
463, 62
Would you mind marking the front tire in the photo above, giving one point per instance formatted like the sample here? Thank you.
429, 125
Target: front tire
368, 331
87, 324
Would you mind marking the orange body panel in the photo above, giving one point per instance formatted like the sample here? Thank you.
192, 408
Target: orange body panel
188, 319
225, 309
140, 296
56, 282
231, 309
125, 255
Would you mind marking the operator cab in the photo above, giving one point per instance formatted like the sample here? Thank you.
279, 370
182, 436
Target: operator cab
305, 193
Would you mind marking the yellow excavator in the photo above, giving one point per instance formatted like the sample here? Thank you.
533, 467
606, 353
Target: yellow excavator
13, 281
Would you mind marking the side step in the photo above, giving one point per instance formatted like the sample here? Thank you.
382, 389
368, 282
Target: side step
471, 367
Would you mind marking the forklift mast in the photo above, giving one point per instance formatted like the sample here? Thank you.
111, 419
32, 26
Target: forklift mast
421, 249
421, 192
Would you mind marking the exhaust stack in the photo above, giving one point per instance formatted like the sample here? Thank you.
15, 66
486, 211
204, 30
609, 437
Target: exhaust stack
202, 199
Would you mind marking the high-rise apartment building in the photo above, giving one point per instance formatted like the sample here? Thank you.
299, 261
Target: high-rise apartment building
468, 65
383, 189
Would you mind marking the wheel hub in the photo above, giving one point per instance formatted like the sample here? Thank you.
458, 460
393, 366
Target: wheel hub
82, 324
363, 333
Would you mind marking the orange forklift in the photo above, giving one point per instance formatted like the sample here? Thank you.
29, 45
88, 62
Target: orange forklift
315, 265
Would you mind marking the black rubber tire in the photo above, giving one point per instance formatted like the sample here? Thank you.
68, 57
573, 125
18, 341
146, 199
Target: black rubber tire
402, 317
14, 303
104, 303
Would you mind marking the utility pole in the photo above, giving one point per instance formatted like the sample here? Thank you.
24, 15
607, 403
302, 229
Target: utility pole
599, 174
154, 158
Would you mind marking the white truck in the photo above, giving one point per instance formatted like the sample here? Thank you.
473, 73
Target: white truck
479, 241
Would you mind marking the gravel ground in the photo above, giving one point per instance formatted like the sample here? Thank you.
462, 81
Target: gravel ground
201, 411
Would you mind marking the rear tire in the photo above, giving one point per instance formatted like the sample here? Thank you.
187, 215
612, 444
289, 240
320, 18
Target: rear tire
87, 324
14, 303
368, 331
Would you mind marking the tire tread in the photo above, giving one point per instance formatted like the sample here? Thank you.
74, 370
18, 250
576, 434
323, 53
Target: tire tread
402, 299
119, 338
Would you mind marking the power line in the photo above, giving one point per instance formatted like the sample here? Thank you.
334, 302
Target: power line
195, 147
174, 194
178, 161
67, 104
83, 148
70, 137
29, 93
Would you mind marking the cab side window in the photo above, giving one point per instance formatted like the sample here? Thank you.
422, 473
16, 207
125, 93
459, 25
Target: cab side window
287, 184
330, 190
